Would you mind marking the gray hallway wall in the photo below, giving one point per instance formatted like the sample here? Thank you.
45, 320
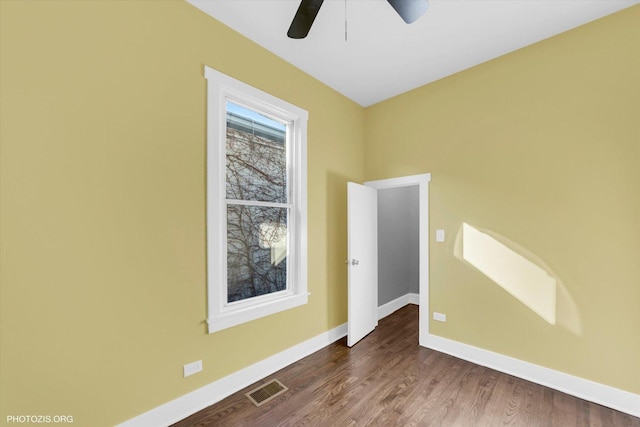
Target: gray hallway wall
398, 243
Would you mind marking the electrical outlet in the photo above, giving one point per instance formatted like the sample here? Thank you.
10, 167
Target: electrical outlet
192, 368
439, 317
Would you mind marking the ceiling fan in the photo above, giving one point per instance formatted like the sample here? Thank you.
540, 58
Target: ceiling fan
409, 11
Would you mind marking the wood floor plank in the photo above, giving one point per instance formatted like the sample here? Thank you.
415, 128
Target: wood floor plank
389, 380
479, 397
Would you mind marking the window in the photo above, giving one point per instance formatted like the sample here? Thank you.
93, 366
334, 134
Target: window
256, 203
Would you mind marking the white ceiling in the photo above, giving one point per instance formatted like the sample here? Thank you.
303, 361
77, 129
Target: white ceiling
383, 56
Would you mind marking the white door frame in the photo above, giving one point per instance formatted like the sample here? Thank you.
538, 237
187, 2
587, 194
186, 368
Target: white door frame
422, 181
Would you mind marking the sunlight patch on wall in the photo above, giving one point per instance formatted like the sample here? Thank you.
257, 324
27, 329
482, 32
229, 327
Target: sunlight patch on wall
521, 273
524, 280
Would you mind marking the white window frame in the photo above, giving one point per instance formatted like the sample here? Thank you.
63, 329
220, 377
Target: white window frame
222, 315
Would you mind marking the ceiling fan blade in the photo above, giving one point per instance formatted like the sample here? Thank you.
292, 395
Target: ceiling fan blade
304, 18
409, 10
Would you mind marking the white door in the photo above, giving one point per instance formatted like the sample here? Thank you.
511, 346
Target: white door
362, 225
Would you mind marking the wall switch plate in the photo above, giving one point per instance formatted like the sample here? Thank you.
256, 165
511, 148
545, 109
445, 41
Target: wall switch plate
439, 317
192, 368
440, 235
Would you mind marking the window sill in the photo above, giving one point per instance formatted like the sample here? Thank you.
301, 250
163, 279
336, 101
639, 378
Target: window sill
220, 321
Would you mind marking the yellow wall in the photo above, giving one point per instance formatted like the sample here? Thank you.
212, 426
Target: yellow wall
103, 286
539, 149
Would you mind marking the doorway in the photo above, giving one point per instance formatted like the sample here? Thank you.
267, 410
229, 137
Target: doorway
398, 248
419, 183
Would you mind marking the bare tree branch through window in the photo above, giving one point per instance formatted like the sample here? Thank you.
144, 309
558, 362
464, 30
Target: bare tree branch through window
256, 170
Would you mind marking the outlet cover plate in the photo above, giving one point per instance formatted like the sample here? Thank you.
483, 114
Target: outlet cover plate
192, 368
439, 317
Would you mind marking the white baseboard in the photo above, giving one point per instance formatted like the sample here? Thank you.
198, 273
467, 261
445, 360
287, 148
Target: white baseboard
388, 308
585, 389
214, 392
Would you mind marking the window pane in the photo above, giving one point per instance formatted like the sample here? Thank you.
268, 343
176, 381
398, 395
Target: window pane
256, 156
256, 251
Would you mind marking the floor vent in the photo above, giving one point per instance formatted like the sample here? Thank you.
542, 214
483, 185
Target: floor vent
266, 392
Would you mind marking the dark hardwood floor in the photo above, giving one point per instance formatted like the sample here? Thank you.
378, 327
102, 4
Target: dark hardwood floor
389, 380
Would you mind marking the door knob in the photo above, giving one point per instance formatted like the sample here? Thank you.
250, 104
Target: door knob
355, 262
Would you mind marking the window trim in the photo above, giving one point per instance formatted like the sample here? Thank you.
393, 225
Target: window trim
222, 315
